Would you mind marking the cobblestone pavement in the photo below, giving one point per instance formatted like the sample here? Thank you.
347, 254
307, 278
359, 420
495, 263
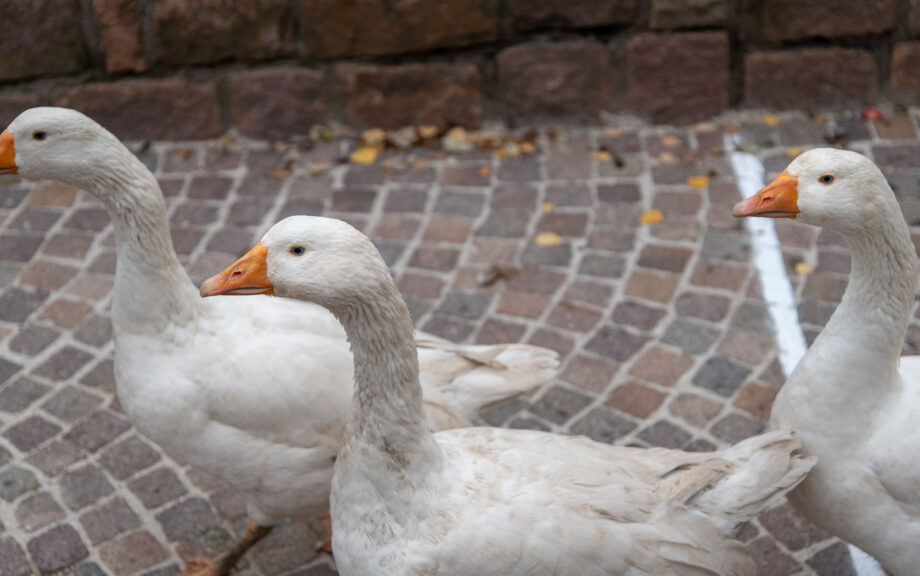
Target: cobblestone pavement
664, 336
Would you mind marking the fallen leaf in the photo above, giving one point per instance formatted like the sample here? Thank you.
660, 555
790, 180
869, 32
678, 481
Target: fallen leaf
547, 207
690, 156
873, 114
667, 158
318, 168
495, 273
612, 132
280, 147
793, 151
364, 155
731, 127
184, 153
603, 156
456, 140
485, 171
420, 164
428, 132
803, 268
403, 138
281, 172
704, 127
527, 148
547, 239
651, 217
698, 181
373, 137
771, 119
509, 150
670, 141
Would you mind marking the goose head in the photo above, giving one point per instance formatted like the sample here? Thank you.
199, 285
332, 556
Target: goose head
57, 144
837, 189
322, 260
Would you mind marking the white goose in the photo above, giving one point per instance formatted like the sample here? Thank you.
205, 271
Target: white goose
253, 390
848, 399
487, 501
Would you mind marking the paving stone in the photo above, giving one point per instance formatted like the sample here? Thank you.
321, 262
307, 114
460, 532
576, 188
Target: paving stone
603, 425
525, 423
18, 247
574, 317
637, 315
397, 227
37, 511
665, 258
794, 531
157, 487
109, 520
189, 518
31, 432
649, 286
504, 224
54, 457
442, 259
693, 409
46, 276
703, 306
465, 204
661, 366
65, 313
613, 342
756, 399
20, 393
752, 316
411, 200
559, 255
690, 337
63, 364
57, 548
665, 435
101, 376
602, 266
721, 376
16, 481
498, 332
16, 304
559, 404
283, 550
127, 457
734, 428
13, 560
131, 553
449, 230
95, 330
635, 399
589, 292
522, 304
465, 305
83, 486
97, 430
614, 240
834, 560
746, 346
70, 403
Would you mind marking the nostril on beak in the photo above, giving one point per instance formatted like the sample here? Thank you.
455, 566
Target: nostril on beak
235, 274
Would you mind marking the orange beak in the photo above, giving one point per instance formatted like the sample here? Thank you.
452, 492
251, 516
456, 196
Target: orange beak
244, 277
779, 199
7, 154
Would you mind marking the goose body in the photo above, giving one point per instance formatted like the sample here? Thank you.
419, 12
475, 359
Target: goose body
852, 399
253, 390
406, 501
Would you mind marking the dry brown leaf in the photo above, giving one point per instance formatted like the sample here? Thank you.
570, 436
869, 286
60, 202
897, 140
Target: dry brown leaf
485, 171
428, 131
281, 172
495, 273
527, 148
771, 119
547, 207
670, 141
317, 168
365, 155
184, 153
373, 137
698, 181
803, 268
651, 217
603, 156
704, 127
548, 239
456, 140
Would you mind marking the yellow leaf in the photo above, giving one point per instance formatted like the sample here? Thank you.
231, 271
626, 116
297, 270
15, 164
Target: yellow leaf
364, 155
547, 239
603, 156
803, 268
793, 151
698, 181
771, 120
426, 132
373, 137
547, 207
670, 141
651, 217
527, 148
485, 171
612, 132
667, 158
704, 126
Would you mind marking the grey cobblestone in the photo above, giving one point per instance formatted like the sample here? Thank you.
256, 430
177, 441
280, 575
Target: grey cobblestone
663, 334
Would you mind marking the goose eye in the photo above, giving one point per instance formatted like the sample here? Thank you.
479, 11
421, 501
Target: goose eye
826, 178
39, 135
297, 250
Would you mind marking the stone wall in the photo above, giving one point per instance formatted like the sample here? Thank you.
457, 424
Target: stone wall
190, 69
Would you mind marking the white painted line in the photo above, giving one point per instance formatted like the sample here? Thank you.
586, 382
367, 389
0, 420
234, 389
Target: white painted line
777, 292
